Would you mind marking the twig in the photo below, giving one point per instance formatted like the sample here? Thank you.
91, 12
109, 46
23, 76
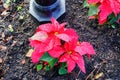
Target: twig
4, 60
90, 73
78, 74
101, 64
5, 71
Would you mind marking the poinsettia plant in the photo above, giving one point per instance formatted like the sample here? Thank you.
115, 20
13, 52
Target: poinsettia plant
106, 11
55, 45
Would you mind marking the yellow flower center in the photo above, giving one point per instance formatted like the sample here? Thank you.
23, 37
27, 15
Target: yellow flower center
56, 33
78, 43
69, 52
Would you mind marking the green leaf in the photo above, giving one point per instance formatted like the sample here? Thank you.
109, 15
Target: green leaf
113, 26
7, 1
39, 67
19, 8
64, 64
85, 4
62, 71
118, 16
112, 19
52, 62
93, 10
21, 17
47, 67
47, 58
111, 16
10, 28
14, 0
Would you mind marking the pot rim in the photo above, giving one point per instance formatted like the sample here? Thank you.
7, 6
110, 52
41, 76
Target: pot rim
46, 8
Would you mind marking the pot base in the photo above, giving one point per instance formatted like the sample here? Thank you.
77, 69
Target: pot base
46, 16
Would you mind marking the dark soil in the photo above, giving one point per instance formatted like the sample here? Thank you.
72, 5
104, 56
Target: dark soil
16, 66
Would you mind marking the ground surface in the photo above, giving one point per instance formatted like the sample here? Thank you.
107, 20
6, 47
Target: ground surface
14, 65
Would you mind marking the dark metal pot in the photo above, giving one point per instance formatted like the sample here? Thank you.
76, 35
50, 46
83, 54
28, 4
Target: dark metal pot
43, 10
45, 2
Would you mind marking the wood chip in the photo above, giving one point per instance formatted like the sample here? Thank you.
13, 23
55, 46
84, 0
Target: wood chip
1, 9
3, 47
3, 35
0, 1
23, 61
9, 38
14, 42
1, 60
26, 1
29, 53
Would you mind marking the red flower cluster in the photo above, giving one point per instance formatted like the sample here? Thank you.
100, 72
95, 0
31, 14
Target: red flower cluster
49, 38
106, 7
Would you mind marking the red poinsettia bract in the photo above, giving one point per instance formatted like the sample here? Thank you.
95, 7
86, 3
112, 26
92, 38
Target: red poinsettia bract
74, 52
106, 7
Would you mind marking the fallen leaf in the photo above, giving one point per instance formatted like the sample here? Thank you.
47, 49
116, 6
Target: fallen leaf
29, 53
10, 27
3, 47
21, 17
5, 13
6, 6
23, 61
97, 76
